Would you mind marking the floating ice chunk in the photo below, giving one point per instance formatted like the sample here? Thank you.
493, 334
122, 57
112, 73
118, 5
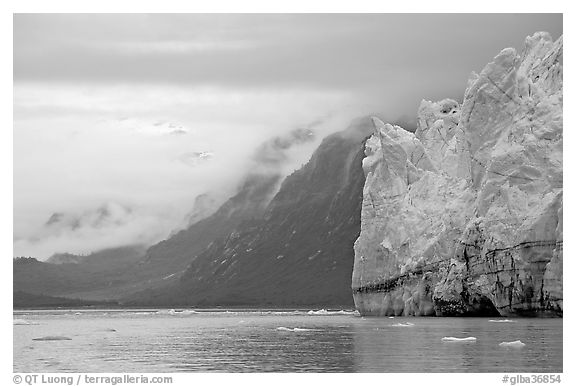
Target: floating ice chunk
514, 344
283, 312
296, 329
175, 312
341, 312
407, 324
46, 338
390, 317
502, 321
452, 339
344, 312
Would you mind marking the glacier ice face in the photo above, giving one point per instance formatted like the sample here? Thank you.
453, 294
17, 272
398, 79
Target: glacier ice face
464, 217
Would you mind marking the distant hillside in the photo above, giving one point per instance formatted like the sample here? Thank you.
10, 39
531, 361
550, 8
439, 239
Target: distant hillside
299, 252
73, 273
275, 242
26, 300
125, 254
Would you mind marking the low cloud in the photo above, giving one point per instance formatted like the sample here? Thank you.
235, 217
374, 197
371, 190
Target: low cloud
148, 112
78, 149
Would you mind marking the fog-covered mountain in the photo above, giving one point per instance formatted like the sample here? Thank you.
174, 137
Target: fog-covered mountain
296, 250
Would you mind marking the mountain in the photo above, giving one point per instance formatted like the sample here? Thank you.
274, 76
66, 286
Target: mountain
99, 277
166, 261
106, 215
115, 273
25, 300
298, 251
464, 217
119, 255
69, 275
204, 205
65, 258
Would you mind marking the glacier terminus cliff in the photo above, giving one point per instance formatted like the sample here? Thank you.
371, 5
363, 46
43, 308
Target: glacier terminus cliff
464, 216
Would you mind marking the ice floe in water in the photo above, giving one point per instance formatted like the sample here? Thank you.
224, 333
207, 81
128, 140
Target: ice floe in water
21, 322
185, 312
514, 344
278, 312
502, 321
296, 329
176, 312
47, 338
453, 339
341, 312
407, 324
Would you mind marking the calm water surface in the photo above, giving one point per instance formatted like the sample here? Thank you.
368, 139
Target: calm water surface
250, 341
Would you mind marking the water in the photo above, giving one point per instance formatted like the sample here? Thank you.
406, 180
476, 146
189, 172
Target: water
250, 341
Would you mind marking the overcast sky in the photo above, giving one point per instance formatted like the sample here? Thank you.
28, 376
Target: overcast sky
110, 111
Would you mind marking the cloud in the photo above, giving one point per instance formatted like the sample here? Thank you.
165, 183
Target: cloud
275, 152
173, 47
92, 229
315, 51
195, 158
150, 148
115, 110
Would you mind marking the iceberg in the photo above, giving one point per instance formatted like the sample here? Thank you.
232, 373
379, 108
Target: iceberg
48, 338
176, 312
452, 339
407, 324
341, 312
296, 329
514, 344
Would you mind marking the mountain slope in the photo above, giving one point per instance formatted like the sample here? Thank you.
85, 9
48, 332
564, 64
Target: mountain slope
25, 300
71, 274
299, 252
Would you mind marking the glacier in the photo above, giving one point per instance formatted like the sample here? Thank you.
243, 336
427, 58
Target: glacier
464, 216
